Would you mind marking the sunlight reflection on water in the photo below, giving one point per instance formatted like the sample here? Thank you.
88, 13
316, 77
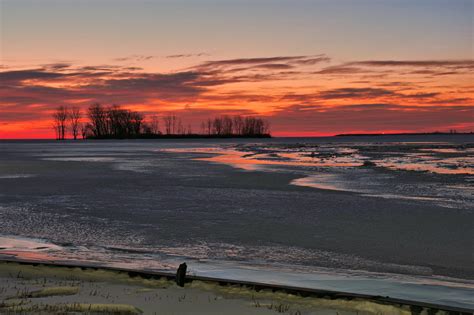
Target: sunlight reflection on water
410, 157
335, 163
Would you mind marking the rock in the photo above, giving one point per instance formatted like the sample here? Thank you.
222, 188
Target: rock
181, 274
368, 163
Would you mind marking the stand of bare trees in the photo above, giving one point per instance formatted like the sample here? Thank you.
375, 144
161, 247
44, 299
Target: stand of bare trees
64, 119
114, 122
170, 122
236, 126
154, 125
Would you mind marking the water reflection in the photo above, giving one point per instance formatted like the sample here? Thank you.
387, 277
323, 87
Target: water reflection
422, 157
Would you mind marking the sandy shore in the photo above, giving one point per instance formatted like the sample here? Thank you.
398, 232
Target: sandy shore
53, 289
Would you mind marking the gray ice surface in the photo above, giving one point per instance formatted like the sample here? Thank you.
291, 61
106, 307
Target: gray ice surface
136, 203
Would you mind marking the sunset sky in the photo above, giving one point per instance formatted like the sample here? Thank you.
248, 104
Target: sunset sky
311, 68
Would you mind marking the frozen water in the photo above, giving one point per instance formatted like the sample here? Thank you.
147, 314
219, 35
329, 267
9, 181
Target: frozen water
289, 210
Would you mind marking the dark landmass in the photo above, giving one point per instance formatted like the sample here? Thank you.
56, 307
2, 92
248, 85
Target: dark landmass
114, 122
188, 136
404, 134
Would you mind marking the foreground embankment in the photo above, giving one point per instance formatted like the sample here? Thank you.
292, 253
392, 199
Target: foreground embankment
43, 288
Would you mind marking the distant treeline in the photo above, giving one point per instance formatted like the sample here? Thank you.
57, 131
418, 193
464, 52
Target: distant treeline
451, 132
115, 122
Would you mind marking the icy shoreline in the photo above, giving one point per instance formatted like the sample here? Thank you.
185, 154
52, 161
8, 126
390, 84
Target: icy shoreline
430, 289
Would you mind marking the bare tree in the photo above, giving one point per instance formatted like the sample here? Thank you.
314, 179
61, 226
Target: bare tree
155, 125
209, 126
168, 121
238, 125
171, 124
227, 125
98, 120
174, 124
59, 122
217, 126
85, 128
136, 120
74, 115
180, 128
56, 124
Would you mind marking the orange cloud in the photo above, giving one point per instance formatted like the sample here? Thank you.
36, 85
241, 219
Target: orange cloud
300, 95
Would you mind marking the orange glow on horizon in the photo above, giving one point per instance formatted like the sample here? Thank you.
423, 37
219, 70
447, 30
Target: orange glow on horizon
299, 95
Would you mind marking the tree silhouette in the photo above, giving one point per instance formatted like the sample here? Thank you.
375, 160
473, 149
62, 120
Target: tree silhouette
155, 125
59, 122
98, 120
115, 122
74, 115
170, 122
